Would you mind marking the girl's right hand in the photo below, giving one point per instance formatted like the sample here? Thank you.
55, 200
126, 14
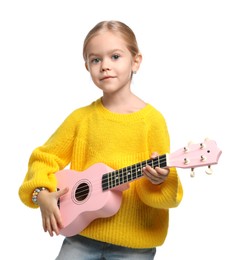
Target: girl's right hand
51, 218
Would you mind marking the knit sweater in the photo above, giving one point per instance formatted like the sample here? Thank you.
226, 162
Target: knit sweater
93, 134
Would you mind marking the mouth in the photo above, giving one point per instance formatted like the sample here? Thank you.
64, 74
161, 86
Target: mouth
106, 78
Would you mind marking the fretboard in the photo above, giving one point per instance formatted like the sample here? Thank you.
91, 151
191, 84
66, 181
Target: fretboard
112, 179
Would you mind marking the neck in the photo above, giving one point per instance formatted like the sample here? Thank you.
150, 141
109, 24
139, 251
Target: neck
119, 177
124, 104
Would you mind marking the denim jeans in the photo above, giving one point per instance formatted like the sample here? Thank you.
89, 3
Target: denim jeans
82, 248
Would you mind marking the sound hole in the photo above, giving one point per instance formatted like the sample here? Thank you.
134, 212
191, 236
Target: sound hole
81, 192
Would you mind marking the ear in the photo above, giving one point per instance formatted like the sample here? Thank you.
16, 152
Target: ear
86, 66
136, 62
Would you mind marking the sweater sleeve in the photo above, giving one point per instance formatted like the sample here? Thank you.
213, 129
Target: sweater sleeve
47, 159
168, 194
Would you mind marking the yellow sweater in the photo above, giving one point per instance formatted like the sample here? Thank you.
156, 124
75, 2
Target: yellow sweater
93, 134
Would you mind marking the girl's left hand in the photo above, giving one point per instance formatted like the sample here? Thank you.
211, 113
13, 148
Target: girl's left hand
157, 175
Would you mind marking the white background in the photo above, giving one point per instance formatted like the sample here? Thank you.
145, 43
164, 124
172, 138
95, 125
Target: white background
189, 72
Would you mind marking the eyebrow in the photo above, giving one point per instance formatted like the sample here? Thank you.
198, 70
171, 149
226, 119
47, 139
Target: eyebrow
111, 51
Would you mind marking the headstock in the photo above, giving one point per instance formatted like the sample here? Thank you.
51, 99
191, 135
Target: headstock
196, 155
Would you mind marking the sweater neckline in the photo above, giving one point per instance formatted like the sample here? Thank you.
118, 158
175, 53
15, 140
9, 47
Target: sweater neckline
120, 116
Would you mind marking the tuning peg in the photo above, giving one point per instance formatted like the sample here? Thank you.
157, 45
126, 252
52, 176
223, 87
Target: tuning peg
186, 161
185, 149
190, 142
209, 170
192, 173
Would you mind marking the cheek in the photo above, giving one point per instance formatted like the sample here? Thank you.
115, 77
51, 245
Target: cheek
92, 72
128, 71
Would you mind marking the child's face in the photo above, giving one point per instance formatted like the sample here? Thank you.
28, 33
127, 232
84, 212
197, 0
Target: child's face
109, 62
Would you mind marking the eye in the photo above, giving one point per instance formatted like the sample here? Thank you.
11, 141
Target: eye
95, 60
115, 56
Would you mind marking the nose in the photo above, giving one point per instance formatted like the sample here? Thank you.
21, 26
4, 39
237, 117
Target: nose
105, 69
105, 66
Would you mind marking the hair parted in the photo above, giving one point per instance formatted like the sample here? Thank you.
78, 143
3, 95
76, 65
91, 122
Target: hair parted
113, 26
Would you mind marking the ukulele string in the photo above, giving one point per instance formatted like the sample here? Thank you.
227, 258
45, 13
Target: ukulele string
123, 174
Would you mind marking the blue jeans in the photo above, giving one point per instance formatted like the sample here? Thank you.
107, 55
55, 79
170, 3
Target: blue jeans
82, 248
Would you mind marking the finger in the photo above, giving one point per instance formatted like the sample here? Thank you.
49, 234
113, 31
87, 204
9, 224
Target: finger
162, 171
54, 225
62, 192
58, 219
154, 180
153, 175
154, 155
44, 225
48, 226
150, 170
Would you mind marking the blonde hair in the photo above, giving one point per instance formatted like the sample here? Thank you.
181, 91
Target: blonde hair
116, 27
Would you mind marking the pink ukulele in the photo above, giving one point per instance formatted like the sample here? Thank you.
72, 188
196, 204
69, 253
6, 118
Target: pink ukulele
97, 191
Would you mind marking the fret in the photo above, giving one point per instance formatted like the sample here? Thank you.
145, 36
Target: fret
125, 177
143, 164
113, 179
117, 178
163, 161
139, 167
152, 163
127, 174
149, 162
121, 180
134, 171
105, 183
139, 172
157, 162
110, 180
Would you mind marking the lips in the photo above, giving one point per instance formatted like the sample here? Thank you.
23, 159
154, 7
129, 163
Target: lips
107, 77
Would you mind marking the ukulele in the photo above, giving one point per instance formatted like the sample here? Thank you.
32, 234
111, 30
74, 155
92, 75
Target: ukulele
97, 191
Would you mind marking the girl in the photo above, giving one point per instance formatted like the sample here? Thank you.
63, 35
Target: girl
118, 129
